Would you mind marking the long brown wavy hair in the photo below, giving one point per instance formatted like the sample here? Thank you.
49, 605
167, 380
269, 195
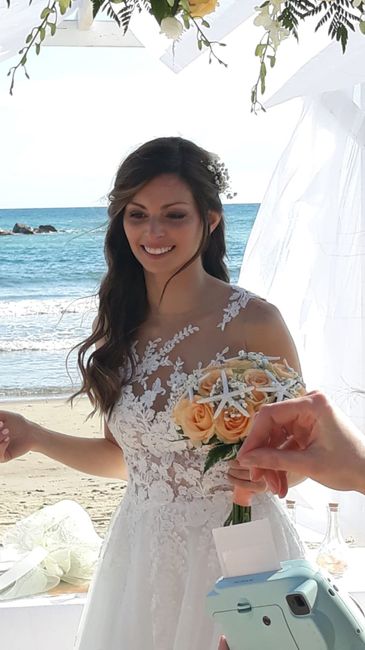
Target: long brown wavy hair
123, 304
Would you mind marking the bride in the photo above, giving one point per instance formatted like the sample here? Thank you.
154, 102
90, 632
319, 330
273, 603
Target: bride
166, 309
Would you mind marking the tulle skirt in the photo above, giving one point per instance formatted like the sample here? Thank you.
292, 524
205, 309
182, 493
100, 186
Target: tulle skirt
157, 565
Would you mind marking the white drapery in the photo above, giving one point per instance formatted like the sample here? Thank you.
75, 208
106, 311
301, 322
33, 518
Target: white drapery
306, 254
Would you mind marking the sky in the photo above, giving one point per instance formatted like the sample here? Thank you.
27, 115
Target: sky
64, 132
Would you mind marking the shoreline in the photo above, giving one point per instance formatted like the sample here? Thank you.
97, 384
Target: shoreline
8, 399
33, 480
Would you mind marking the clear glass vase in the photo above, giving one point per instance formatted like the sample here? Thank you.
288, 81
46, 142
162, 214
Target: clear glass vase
332, 555
291, 510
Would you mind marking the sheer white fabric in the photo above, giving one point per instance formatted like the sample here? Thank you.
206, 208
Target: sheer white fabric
306, 254
159, 560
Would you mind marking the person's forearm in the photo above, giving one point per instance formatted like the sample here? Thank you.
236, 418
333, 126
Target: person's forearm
360, 482
96, 456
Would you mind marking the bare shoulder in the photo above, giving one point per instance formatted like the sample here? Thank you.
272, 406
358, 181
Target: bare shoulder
266, 331
261, 313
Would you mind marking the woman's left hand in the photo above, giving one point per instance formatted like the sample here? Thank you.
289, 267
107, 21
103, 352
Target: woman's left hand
251, 481
244, 488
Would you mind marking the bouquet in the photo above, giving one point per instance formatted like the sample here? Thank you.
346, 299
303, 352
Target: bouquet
218, 406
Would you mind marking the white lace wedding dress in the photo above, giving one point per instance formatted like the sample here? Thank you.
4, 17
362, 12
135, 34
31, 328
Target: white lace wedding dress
158, 561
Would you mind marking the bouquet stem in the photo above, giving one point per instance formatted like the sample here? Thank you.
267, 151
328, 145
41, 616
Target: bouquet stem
238, 515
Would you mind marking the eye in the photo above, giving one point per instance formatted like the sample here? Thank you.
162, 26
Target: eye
136, 214
176, 215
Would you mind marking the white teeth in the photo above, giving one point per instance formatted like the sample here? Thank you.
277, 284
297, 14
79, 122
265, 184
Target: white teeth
157, 251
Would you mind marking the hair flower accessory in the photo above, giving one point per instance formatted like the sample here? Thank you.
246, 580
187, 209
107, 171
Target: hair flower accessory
221, 176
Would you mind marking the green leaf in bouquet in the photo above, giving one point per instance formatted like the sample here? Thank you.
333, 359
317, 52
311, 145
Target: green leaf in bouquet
219, 452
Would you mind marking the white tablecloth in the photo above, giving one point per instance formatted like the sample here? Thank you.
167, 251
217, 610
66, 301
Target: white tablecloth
40, 622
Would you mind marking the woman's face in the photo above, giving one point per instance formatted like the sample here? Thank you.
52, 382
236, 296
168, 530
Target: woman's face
162, 225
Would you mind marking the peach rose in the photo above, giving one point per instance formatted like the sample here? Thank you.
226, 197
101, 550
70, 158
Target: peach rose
238, 365
231, 425
257, 378
282, 370
206, 384
299, 391
200, 8
196, 420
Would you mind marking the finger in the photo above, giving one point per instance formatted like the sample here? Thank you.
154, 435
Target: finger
243, 474
223, 644
242, 496
276, 480
278, 459
3, 447
248, 486
292, 417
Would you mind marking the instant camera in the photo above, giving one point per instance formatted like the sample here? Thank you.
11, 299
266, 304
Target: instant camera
294, 608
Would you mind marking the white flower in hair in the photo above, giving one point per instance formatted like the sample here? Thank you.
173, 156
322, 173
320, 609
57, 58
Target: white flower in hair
221, 176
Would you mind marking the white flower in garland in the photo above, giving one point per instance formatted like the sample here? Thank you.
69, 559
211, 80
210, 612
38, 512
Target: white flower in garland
172, 28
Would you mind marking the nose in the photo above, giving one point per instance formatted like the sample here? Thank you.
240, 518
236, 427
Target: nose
156, 227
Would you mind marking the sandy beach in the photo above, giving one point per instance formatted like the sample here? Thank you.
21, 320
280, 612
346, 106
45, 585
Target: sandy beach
32, 481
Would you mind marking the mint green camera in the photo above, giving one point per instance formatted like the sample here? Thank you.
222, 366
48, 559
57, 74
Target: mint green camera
294, 608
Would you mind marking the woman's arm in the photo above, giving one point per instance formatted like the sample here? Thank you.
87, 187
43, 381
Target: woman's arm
264, 330
101, 457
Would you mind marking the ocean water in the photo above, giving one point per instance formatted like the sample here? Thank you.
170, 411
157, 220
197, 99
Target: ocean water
47, 287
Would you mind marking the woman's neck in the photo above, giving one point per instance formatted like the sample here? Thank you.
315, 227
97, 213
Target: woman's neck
185, 293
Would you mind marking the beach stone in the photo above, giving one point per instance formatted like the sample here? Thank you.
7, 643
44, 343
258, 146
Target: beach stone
23, 229
5, 232
46, 228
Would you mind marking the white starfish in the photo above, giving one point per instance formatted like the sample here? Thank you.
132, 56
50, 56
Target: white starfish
282, 390
226, 397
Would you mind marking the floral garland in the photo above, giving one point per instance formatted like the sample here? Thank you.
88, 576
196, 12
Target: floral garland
280, 20
173, 17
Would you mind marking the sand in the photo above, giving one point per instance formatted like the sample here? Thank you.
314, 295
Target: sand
32, 481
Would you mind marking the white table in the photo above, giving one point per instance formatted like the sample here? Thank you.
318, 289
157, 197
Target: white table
40, 622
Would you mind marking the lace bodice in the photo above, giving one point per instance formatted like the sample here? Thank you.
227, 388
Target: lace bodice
161, 465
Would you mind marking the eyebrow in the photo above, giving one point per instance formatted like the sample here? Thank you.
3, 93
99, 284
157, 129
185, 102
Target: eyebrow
167, 205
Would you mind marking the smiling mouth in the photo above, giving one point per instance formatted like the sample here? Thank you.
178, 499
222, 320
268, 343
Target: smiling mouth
157, 251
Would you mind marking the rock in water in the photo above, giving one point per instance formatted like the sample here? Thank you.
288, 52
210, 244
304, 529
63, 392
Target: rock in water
22, 229
46, 228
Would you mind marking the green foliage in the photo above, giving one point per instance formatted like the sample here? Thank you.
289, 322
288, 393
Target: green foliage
338, 14
280, 20
283, 19
293, 13
37, 35
220, 451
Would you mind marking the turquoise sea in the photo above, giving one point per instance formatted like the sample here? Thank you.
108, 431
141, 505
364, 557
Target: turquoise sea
47, 283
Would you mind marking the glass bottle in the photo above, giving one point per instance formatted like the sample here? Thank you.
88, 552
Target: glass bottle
332, 554
291, 510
